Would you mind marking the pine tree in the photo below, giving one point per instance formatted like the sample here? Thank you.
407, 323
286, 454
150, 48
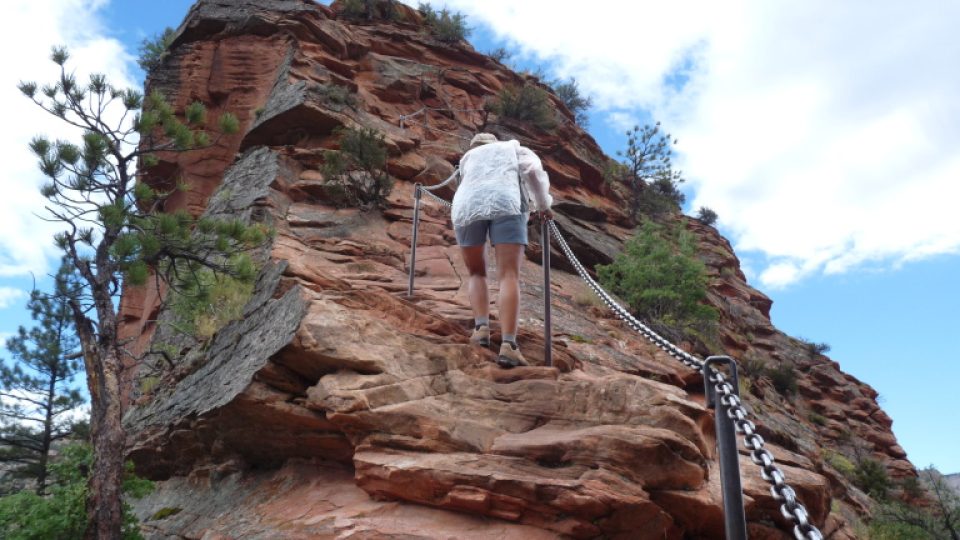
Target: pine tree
117, 233
649, 171
569, 93
154, 50
37, 387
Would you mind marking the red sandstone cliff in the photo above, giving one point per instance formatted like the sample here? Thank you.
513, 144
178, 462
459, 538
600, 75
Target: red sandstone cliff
338, 408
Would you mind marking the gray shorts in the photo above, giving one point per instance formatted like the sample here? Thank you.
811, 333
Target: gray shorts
502, 230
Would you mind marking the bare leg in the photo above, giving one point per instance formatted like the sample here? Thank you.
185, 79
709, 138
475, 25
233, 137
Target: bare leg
508, 273
476, 263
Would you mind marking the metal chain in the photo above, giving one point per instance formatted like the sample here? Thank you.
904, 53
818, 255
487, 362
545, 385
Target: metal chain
790, 507
436, 198
456, 173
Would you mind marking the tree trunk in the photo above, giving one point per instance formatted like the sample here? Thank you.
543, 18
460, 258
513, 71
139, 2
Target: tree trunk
42, 463
635, 198
104, 506
949, 523
47, 431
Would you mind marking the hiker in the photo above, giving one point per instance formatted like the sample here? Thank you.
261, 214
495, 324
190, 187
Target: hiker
497, 179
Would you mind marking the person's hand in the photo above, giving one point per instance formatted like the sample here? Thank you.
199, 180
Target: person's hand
544, 214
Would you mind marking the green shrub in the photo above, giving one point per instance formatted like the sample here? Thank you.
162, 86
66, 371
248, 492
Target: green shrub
368, 10
338, 95
577, 103
615, 173
356, 174
844, 436
500, 54
814, 349
148, 383
784, 379
840, 462
752, 366
527, 103
662, 280
586, 298
871, 476
62, 515
817, 419
912, 487
706, 216
444, 25
662, 195
165, 512
154, 50
891, 530
210, 303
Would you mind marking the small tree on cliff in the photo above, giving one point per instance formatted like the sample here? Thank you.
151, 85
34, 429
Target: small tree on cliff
116, 231
706, 215
154, 50
356, 175
569, 92
649, 171
36, 389
446, 26
660, 277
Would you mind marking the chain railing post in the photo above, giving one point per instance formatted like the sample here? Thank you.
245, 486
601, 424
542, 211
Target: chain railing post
413, 237
733, 514
547, 323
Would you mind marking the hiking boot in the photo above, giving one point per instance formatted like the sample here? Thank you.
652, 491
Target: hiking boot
510, 356
481, 335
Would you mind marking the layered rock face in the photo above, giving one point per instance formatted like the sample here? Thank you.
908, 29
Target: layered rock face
338, 407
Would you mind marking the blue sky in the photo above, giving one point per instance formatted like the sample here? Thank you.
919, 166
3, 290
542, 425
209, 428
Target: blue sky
823, 135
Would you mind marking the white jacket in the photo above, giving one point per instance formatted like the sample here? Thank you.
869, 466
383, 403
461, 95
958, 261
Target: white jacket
490, 182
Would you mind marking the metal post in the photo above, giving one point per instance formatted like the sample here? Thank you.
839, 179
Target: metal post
413, 237
547, 326
734, 520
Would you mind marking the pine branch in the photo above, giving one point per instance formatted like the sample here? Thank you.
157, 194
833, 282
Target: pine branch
21, 417
21, 398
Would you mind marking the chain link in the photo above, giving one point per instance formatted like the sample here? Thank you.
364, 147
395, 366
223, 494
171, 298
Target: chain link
440, 200
790, 507
456, 173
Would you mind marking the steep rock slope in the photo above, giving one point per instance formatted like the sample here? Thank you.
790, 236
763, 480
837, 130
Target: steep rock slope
338, 407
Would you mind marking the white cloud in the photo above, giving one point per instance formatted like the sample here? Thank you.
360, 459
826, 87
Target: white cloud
622, 121
823, 134
32, 27
9, 296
